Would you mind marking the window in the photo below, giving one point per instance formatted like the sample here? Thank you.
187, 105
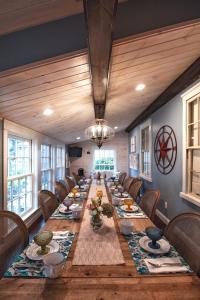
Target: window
46, 167
60, 163
193, 146
145, 150
104, 160
19, 183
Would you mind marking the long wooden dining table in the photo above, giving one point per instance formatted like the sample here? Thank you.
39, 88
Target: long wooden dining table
102, 282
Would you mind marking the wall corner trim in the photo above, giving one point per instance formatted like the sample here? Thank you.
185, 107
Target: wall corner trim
162, 216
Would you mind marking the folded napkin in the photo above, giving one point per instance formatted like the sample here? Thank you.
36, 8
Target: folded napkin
135, 216
60, 234
165, 268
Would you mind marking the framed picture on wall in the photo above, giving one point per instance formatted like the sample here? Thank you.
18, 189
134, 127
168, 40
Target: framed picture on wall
133, 144
134, 161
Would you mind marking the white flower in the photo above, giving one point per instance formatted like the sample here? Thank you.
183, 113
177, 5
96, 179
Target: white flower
94, 212
100, 209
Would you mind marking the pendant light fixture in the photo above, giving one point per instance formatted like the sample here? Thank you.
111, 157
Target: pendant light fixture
99, 133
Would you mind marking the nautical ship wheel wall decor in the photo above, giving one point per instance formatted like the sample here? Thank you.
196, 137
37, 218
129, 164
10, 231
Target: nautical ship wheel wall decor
165, 149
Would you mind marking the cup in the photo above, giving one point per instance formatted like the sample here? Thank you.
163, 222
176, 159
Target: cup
76, 213
53, 264
115, 201
126, 227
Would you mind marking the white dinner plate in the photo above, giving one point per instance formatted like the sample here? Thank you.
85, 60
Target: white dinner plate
31, 252
164, 245
134, 208
63, 209
124, 195
71, 195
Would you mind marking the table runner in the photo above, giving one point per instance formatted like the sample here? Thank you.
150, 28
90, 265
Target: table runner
97, 248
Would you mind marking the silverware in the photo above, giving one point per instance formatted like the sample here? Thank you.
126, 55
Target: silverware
159, 265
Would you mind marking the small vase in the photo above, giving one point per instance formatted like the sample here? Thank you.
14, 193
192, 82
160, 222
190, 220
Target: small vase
96, 222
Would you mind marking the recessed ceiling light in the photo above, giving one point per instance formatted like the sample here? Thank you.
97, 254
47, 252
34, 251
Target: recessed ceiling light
140, 87
48, 112
78, 138
115, 127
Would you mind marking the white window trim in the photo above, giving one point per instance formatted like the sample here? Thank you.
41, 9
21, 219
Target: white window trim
16, 134
115, 161
51, 168
142, 126
185, 97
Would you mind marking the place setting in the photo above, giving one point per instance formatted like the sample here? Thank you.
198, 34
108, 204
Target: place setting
152, 253
44, 257
68, 210
127, 208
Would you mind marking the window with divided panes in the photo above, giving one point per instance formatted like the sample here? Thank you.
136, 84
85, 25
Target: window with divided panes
145, 150
193, 145
20, 177
46, 167
60, 163
104, 160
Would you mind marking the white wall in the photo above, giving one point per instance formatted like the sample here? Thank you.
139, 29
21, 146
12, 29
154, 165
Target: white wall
119, 143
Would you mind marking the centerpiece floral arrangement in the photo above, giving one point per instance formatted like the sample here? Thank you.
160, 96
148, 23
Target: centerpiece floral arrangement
99, 209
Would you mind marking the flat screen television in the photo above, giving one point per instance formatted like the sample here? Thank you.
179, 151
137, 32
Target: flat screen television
75, 152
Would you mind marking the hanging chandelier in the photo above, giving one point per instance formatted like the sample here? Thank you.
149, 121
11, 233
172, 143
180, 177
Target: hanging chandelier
99, 133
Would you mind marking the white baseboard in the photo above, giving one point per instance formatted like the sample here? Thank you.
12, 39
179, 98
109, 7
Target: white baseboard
162, 217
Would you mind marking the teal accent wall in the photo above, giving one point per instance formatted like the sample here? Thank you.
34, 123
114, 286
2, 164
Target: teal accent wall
169, 185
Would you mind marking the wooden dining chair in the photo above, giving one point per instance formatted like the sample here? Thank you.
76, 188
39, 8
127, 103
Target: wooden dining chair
77, 178
70, 182
183, 232
135, 187
122, 176
127, 183
61, 191
13, 238
149, 202
48, 203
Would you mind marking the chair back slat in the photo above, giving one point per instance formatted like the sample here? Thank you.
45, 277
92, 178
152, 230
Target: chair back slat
14, 238
127, 183
61, 191
183, 232
135, 187
48, 203
149, 202
69, 182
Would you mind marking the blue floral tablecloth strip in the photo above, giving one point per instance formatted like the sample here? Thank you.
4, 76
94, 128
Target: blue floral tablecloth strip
122, 214
138, 254
65, 245
59, 216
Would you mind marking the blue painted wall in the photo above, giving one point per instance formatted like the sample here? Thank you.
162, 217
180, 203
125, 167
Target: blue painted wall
169, 185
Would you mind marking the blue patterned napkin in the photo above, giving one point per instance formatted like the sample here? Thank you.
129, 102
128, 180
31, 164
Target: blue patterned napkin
60, 216
138, 254
37, 266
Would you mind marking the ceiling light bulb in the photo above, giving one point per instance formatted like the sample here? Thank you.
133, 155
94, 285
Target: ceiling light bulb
140, 87
78, 138
48, 112
115, 127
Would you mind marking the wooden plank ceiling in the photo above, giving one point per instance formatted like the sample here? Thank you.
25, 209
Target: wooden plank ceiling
64, 84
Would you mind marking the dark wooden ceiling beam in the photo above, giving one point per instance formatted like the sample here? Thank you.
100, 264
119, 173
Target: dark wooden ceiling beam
182, 82
100, 18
